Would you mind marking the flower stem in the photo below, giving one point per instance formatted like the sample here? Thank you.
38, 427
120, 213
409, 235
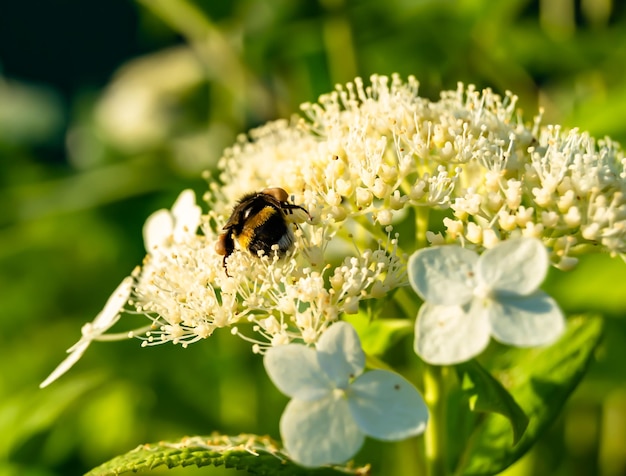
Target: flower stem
435, 438
421, 225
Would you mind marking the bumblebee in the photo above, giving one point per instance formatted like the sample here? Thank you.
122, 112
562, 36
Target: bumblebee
259, 221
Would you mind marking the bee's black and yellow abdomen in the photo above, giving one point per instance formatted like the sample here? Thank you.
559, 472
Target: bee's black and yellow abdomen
259, 222
264, 230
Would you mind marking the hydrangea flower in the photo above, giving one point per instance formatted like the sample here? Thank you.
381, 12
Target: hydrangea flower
94, 330
363, 158
334, 405
469, 298
173, 286
163, 229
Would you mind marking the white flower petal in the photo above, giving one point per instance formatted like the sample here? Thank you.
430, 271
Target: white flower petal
447, 335
78, 350
105, 319
516, 266
387, 406
527, 321
186, 215
294, 369
110, 313
157, 230
320, 432
339, 353
443, 275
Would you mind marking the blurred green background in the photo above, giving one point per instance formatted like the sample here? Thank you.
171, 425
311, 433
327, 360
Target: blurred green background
109, 109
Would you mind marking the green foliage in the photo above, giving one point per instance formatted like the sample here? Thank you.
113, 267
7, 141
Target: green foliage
380, 335
27, 413
540, 381
254, 454
485, 394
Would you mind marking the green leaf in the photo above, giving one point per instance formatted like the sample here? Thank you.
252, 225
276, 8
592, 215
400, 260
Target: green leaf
256, 454
32, 411
379, 335
540, 381
487, 395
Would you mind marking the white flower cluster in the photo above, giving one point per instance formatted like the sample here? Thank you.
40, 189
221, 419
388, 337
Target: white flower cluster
363, 161
566, 190
371, 152
187, 293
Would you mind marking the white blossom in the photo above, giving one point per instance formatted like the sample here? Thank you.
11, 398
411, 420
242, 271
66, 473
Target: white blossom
367, 160
469, 298
334, 404
94, 330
